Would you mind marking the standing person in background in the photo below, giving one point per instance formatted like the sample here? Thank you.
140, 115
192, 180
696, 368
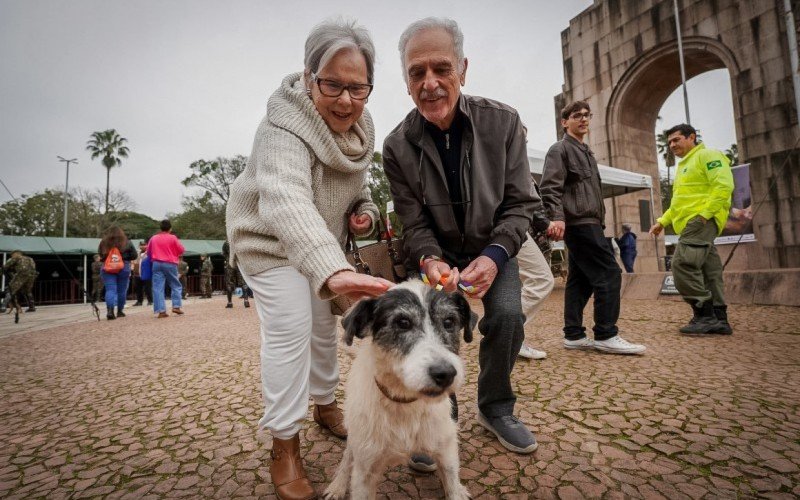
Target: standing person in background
116, 284
142, 279
233, 278
627, 247
183, 272
97, 281
164, 250
701, 202
21, 273
573, 197
206, 270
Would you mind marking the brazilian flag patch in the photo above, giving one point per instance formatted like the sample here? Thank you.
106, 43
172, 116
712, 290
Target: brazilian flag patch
713, 164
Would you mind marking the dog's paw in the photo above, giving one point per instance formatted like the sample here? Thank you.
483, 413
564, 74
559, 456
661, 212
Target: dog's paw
332, 493
460, 493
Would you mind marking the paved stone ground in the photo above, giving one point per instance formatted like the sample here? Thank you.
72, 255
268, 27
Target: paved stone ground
141, 407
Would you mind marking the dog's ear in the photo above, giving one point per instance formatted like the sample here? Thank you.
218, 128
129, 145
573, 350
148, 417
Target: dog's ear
468, 318
358, 321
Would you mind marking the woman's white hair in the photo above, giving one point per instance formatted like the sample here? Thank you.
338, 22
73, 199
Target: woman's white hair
330, 36
444, 23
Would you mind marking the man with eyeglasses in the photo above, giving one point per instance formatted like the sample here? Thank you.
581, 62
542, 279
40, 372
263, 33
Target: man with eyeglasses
573, 197
458, 171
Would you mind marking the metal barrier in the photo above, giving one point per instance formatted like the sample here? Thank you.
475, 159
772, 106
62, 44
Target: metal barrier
64, 291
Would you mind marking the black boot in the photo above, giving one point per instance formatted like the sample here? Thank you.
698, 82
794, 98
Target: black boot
246, 303
110, 313
229, 305
31, 305
703, 321
721, 313
120, 314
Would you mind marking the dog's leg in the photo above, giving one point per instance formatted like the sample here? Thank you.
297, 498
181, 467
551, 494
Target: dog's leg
338, 487
366, 473
447, 458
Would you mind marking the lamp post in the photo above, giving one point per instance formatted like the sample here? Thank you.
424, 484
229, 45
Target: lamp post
66, 189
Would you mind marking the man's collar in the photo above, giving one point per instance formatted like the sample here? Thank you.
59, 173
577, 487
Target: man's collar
575, 141
417, 122
692, 151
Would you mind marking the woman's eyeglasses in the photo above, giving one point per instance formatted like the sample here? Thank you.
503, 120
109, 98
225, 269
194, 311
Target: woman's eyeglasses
332, 88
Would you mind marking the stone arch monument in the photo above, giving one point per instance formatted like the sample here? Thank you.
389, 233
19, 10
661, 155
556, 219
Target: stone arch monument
622, 57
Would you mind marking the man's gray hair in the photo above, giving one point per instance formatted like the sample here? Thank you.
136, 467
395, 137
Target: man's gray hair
444, 23
329, 37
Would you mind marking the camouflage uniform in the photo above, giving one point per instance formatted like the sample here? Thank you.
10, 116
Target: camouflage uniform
183, 271
205, 278
21, 273
97, 282
233, 277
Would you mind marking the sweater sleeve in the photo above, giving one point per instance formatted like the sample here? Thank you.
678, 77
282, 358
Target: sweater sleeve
287, 210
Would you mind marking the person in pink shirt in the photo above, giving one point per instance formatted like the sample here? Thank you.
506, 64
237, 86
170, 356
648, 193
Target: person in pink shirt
164, 250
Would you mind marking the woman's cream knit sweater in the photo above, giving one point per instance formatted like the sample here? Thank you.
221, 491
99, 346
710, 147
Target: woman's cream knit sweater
290, 205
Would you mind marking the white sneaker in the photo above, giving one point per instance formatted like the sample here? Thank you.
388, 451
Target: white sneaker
618, 345
531, 353
584, 343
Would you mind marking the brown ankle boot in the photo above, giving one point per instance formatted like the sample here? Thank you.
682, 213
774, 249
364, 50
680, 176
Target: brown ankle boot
330, 417
286, 469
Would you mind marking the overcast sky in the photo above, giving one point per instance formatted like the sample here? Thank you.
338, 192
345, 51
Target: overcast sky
184, 80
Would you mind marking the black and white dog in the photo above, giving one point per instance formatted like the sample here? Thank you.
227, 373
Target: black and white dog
399, 385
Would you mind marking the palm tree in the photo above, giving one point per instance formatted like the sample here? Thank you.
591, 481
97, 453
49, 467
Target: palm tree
111, 146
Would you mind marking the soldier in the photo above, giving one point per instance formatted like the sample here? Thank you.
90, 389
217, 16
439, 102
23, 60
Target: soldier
183, 270
21, 273
205, 277
233, 277
97, 282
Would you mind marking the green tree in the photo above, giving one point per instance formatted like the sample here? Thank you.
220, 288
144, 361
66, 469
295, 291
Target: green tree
109, 145
216, 176
379, 189
663, 149
40, 214
203, 218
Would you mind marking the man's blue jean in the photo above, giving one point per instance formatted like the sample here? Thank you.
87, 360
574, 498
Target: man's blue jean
117, 286
165, 272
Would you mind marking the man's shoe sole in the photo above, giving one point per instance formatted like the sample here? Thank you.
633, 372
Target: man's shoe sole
422, 467
506, 444
579, 347
616, 351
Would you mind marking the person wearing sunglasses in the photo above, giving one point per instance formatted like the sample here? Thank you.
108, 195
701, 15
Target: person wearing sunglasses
458, 172
287, 226
573, 198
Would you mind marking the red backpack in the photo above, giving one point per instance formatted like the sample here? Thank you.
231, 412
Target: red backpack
114, 263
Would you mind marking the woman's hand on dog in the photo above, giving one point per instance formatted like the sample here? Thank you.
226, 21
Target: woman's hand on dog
435, 269
357, 286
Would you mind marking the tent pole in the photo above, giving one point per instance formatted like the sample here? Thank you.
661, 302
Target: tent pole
3, 280
84, 277
652, 221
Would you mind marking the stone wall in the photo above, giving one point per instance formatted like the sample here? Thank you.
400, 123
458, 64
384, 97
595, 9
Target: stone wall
621, 57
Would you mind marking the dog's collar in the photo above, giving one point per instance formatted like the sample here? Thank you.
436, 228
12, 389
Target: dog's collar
396, 399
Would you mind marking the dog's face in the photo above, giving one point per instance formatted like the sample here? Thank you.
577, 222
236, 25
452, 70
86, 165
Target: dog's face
417, 331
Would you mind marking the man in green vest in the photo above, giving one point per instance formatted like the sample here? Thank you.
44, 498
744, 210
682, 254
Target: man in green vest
701, 200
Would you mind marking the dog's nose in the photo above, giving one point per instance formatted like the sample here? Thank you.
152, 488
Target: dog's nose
443, 374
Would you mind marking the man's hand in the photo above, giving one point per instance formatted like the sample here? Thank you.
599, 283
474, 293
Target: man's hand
357, 286
359, 223
656, 229
556, 230
480, 273
435, 269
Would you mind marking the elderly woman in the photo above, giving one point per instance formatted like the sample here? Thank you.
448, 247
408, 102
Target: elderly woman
304, 186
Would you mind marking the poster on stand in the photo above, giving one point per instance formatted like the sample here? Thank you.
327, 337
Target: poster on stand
739, 226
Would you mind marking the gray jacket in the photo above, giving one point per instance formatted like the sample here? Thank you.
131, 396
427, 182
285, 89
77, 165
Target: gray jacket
571, 189
495, 180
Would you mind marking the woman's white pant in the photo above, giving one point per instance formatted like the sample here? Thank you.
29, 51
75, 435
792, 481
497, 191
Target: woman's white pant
298, 348
537, 279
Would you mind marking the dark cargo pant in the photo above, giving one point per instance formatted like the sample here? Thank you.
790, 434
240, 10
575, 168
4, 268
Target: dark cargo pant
696, 265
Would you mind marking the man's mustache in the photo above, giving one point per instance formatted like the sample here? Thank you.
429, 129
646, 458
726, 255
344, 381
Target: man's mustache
439, 92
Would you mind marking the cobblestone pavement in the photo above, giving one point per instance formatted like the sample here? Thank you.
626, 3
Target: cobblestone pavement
141, 407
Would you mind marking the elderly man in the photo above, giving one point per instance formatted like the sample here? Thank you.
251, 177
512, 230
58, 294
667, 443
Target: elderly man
458, 172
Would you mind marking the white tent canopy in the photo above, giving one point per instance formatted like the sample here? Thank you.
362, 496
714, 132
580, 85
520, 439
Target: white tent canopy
615, 181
